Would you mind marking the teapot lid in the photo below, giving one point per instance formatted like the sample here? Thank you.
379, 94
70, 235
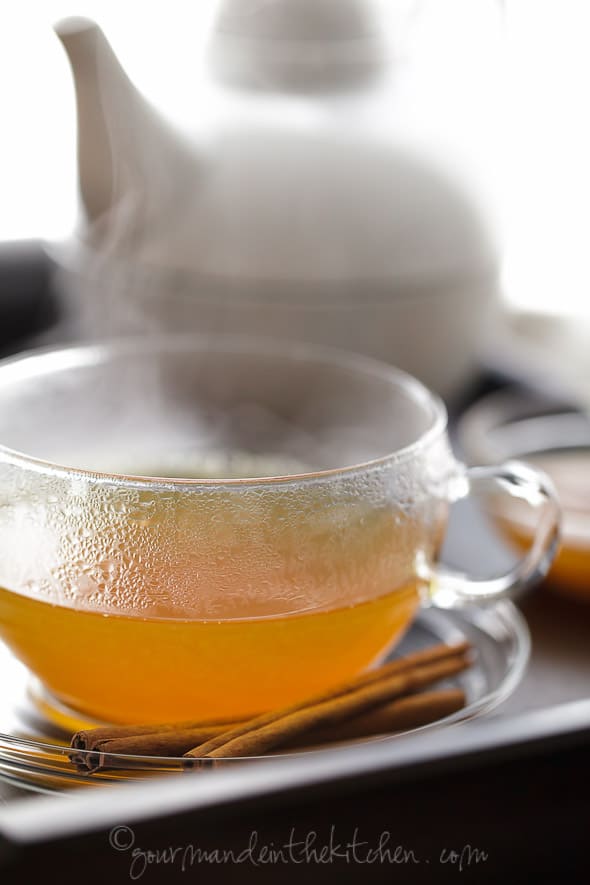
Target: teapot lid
296, 44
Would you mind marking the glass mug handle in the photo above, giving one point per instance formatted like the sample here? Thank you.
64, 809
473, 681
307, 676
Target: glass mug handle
452, 588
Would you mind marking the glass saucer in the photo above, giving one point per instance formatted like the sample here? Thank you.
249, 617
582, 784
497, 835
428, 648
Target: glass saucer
34, 753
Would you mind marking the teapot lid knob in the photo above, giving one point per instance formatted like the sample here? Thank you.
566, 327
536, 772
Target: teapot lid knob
296, 44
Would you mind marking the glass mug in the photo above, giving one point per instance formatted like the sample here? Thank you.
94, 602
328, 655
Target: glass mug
209, 528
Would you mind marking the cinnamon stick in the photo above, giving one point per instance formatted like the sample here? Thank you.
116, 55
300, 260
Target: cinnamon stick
411, 711
398, 666
261, 735
408, 712
169, 742
92, 738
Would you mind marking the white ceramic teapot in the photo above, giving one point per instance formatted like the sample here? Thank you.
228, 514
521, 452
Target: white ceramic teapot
289, 211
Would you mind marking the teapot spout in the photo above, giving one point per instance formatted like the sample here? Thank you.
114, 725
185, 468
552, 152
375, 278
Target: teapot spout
99, 80
125, 149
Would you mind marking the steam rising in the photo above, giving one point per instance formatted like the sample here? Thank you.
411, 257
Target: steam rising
263, 228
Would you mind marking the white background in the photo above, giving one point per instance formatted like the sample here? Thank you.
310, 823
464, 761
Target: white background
536, 151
